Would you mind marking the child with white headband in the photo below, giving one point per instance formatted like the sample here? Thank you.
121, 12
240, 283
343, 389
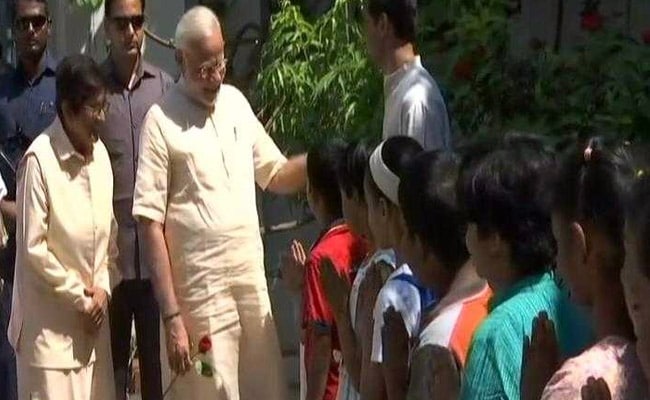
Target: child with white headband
401, 291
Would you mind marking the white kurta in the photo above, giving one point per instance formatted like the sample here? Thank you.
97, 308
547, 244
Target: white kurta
196, 175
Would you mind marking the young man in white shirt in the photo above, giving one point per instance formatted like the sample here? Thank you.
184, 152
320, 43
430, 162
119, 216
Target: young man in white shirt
413, 103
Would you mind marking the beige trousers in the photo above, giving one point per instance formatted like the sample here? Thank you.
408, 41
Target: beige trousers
245, 351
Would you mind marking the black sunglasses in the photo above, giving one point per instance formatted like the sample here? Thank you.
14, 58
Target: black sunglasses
123, 23
36, 22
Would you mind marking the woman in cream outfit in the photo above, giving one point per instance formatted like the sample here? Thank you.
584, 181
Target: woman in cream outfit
65, 248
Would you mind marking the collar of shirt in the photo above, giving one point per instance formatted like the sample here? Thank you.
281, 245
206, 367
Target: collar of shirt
393, 79
143, 71
521, 286
61, 143
48, 68
334, 227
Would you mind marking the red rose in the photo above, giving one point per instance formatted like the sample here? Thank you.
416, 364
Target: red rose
592, 21
464, 70
645, 35
205, 344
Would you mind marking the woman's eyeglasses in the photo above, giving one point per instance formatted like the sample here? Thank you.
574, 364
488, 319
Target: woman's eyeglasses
35, 22
134, 21
99, 110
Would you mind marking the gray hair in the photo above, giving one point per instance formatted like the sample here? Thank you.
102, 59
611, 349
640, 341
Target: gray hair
196, 23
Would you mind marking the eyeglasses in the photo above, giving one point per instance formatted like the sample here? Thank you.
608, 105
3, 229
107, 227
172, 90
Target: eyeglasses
206, 72
35, 22
123, 23
98, 111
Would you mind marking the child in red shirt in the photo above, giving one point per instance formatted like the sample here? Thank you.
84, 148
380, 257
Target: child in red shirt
322, 351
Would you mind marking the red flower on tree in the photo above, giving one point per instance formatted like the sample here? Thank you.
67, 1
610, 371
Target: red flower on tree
645, 36
464, 70
592, 21
205, 344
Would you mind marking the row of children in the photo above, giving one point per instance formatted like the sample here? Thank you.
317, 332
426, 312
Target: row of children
501, 271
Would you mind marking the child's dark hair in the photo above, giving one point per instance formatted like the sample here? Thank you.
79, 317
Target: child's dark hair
322, 164
501, 193
590, 185
427, 197
397, 152
352, 169
638, 217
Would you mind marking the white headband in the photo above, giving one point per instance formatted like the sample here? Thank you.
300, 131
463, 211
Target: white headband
384, 178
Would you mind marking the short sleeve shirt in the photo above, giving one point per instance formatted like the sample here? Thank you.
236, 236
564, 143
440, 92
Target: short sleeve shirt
345, 250
493, 369
414, 107
404, 297
614, 359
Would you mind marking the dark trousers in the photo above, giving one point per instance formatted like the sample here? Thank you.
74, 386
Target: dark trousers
134, 300
8, 389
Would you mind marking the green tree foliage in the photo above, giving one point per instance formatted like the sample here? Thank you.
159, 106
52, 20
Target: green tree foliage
316, 81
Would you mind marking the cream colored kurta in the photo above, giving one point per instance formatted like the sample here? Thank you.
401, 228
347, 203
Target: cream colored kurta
196, 175
65, 243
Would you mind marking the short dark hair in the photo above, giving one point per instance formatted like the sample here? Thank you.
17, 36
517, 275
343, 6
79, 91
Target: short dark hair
108, 6
590, 185
78, 79
502, 194
638, 217
322, 164
396, 153
14, 9
427, 197
352, 169
402, 14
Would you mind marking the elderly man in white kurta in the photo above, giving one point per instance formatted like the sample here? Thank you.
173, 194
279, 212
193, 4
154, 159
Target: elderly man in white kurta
201, 152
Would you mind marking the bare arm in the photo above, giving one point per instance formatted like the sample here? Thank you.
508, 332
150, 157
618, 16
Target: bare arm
446, 375
337, 290
158, 257
395, 363
318, 367
291, 178
177, 339
373, 386
434, 374
349, 346
8, 209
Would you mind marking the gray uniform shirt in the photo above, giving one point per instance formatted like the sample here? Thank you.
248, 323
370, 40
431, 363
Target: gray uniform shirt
414, 107
121, 136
